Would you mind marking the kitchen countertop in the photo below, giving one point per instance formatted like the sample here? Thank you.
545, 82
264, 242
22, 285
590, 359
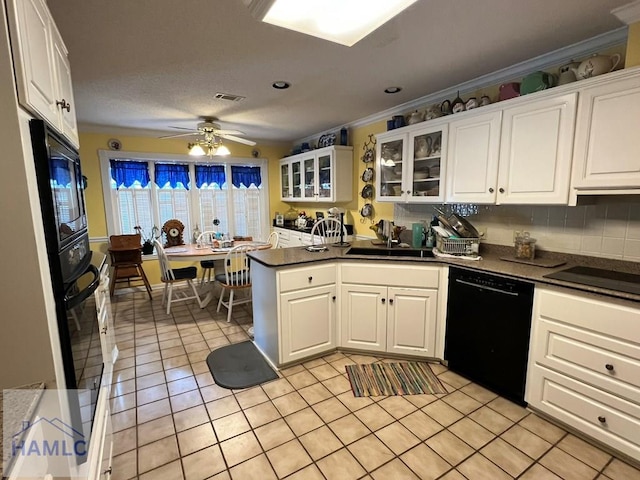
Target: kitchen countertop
22, 404
490, 262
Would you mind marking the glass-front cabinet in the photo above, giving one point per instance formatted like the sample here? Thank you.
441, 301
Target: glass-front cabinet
322, 175
411, 165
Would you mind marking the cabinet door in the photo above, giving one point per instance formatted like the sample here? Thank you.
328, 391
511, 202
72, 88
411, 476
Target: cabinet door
297, 186
423, 178
307, 321
607, 150
105, 325
391, 155
67, 111
285, 180
411, 321
33, 52
310, 176
326, 189
536, 150
472, 159
363, 317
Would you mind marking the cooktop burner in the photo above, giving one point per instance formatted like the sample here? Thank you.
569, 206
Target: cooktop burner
596, 277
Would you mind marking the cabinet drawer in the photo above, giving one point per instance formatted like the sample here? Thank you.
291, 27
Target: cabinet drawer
611, 364
306, 277
613, 317
391, 275
605, 417
283, 234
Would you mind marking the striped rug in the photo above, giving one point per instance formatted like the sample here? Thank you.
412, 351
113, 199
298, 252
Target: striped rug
376, 379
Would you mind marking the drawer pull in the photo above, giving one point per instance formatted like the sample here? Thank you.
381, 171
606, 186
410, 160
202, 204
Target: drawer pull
602, 419
609, 367
310, 279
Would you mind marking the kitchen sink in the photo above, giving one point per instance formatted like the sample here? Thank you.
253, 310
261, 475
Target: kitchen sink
389, 252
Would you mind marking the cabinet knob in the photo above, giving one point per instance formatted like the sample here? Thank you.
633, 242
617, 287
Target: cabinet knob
104, 330
383, 300
64, 105
408, 192
501, 190
333, 298
609, 367
108, 471
491, 190
602, 419
391, 301
310, 279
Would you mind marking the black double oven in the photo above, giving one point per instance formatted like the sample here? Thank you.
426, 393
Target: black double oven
74, 277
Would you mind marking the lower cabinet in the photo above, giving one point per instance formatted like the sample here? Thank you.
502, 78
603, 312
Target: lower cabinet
389, 308
585, 365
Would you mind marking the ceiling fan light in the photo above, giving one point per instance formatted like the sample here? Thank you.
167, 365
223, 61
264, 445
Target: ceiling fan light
222, 151
196, 150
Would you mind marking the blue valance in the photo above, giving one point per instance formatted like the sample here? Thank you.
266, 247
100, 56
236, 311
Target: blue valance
126, 173
172, 174
60, 171
209, 174
245, 176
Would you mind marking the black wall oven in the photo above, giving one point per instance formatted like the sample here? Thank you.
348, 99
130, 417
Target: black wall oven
73, 276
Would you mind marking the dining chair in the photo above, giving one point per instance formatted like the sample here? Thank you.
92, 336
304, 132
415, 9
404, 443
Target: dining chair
235, 278
274, 239
207, 266
172, 276
125, 252
327, 231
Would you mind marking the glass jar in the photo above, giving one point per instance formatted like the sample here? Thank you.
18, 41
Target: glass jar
525, 247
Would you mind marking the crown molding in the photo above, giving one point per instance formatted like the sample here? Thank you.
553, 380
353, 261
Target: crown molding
629, 13
517, 71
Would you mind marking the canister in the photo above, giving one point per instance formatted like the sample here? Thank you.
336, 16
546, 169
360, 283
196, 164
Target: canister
417, 234
525, 246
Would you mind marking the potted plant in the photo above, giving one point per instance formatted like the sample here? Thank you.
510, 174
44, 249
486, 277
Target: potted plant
147, 241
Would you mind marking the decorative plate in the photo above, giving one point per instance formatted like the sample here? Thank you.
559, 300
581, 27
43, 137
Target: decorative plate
367, 191
367, 175
368, 156
366, 210
327, 140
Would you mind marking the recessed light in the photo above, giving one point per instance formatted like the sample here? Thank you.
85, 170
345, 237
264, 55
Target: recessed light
281, 85
392, 89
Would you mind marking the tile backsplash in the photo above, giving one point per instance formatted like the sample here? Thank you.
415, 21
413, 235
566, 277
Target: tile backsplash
609, 230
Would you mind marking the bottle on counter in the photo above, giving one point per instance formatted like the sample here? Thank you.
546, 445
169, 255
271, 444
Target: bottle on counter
196, 234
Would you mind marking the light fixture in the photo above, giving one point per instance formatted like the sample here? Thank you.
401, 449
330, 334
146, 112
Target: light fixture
280, 85
392, 89
210, 145
335, 20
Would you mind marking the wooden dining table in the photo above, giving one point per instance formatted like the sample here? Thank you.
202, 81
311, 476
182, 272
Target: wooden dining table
192, 252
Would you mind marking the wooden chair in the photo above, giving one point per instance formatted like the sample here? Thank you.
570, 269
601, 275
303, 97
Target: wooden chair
327, 231
126, 259
172, 276
207, 266
236, 277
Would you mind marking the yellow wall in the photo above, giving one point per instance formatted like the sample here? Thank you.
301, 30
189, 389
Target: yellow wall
633, 46
90, 143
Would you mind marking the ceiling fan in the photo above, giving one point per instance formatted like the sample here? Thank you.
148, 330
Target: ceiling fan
212, 133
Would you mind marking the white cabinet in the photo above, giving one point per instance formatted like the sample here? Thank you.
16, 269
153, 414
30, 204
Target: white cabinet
322, 175
292, 238
105, 326
607, 149
584, 366
411, 165
389, 308
472, 159
536, 151
43, 75
294, 311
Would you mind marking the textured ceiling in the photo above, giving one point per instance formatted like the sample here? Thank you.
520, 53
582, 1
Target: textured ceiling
152, 64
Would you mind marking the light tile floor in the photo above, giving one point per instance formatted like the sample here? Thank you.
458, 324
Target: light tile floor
171, 421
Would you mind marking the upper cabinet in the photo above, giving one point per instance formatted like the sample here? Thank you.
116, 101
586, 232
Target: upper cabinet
322, 175
410, 165
43, 76
607, 148
472, 161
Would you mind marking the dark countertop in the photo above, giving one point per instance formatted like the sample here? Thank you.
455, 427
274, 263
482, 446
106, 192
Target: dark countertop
490, 262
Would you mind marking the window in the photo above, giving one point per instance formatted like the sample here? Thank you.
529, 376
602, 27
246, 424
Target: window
149, 189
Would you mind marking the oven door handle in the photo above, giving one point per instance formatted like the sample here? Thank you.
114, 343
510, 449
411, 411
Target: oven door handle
71, 301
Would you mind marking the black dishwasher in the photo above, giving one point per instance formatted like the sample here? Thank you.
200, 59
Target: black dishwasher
488, 329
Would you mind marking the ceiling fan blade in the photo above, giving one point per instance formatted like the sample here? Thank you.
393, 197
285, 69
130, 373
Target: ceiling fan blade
233, 138
180, 135
184, 128
228, 132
